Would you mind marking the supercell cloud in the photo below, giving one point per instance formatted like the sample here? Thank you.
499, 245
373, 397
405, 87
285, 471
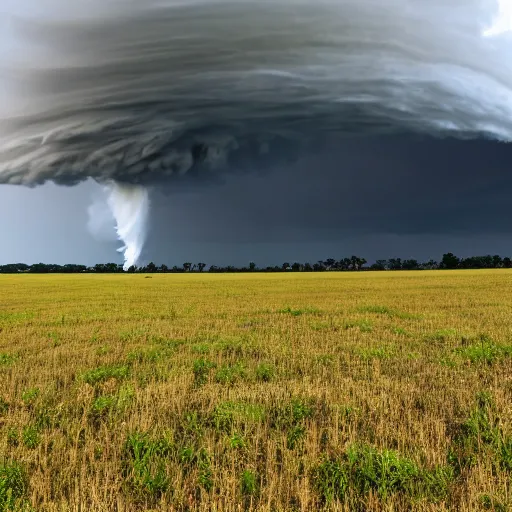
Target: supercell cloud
133, 94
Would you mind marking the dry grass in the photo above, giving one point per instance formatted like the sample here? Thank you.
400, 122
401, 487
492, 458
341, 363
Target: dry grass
374, 391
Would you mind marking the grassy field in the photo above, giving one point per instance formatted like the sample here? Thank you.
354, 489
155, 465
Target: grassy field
372, 391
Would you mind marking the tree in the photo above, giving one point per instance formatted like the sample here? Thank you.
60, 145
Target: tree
252, 266
344, 264
356, 263
187, 267
430, 265
330, 263
450, 261
296, 267
201, 266
410, 265
380, 265
497, 261
151, 268
285, 266
395, 264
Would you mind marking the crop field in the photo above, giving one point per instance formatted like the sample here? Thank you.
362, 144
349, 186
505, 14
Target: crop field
284, 392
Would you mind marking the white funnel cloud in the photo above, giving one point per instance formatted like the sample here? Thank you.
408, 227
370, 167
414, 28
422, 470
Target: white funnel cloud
129, 205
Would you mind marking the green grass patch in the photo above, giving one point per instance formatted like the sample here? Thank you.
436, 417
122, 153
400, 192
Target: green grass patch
249, 483
230, 374
362, 325
13, 486
291, 413
145, 465
104, 373
227, 416
106, 405
363, 470
265, 372
368, 354
31, 437
202, 369
145, 355
8, 359
479, 437
441, 336
483, 350
29, 396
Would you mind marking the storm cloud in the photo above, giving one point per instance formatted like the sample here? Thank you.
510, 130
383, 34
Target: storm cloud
168, 92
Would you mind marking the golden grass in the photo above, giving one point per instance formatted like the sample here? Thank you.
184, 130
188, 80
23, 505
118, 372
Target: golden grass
372, 391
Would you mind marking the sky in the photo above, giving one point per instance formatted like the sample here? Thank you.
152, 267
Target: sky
287, 130
409, 197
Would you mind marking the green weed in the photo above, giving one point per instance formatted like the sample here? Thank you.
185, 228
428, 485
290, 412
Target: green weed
362, 325
13, 486
8, 359
105, 405
249, 485
29, 396
145, 469
364, 469
202, 368
230, 374
104, 373
484, 351
265, 372
31, 437
367, 354
481, 436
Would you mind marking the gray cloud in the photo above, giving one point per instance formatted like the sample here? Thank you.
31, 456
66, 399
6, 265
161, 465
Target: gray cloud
144, 92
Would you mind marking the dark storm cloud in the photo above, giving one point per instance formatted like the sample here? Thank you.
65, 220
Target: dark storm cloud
144, 92
395, 185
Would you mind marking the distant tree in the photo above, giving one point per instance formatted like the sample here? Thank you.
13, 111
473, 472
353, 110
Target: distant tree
410, 265
507, 262
39, 268
497, 261
330, 263
296, 267
285, 266
380, 265
132, 269
252, 266
356, 263
163, 269
430, 265
395, 264
151, 268
449, 261
201, 266
308, 267
187, 267
344, 264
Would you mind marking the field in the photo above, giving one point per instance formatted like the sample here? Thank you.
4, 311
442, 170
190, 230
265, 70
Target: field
285, 392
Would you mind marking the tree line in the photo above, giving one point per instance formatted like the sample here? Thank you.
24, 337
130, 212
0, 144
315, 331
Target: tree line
352, 264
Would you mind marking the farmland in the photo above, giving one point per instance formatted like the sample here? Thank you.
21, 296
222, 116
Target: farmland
335, 391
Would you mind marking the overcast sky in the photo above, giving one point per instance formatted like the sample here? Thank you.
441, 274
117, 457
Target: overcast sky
378, 198
265, 131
